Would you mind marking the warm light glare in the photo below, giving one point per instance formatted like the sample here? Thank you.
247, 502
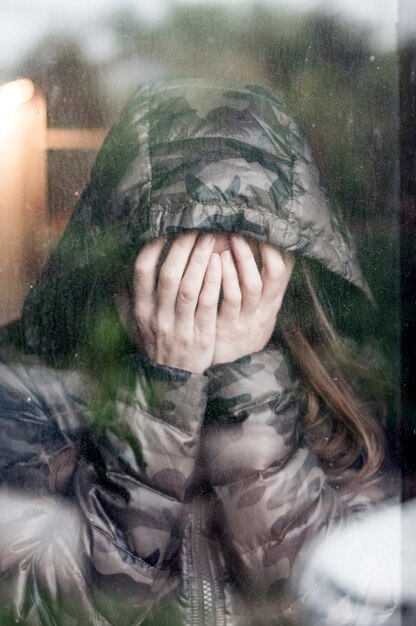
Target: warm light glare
16, 92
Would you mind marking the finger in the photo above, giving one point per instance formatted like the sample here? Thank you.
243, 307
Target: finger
231, 301
276, 272
250, 279
193, 279
172, 270
144, 276
207, 309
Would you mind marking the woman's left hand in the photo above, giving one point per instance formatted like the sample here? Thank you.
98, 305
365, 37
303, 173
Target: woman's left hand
251, 299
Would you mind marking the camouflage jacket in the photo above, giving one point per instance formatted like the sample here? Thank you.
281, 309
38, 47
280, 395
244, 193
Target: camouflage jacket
165, 520
192, 501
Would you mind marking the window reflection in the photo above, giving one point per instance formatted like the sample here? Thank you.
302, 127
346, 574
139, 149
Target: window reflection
62, 93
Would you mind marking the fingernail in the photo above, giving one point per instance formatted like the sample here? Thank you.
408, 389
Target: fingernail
215, 259
207, 239
226, 255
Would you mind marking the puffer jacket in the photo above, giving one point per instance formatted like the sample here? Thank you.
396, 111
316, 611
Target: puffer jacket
195, 501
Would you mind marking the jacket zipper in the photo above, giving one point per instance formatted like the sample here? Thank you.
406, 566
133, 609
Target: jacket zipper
206, 595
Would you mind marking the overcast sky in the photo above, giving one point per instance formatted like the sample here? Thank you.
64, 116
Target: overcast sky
24, 22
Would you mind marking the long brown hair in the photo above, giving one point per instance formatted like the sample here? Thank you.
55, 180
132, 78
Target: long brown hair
342, 406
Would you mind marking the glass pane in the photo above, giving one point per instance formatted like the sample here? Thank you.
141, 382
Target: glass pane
66, 73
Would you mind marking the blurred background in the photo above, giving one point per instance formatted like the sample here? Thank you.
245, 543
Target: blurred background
66, 69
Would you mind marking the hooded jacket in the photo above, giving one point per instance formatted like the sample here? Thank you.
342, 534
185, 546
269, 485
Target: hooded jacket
192, 497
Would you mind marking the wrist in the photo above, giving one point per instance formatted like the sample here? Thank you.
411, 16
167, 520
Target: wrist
184, 365
234, 351
182, 357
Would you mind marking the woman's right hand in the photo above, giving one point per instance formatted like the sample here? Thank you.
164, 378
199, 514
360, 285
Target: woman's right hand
176, 311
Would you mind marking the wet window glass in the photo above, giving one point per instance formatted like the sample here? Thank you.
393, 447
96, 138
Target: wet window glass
200, 287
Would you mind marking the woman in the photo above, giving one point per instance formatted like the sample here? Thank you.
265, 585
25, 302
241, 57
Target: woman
173, 436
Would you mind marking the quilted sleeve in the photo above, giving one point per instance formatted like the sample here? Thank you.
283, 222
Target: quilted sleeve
272, 492
116, 533
131, 482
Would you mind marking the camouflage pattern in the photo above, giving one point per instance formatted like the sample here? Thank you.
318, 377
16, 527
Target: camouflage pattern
198, 499
190, 154
273, 497
225, 157
128, 486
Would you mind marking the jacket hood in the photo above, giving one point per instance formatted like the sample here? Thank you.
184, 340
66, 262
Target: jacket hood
186, 154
